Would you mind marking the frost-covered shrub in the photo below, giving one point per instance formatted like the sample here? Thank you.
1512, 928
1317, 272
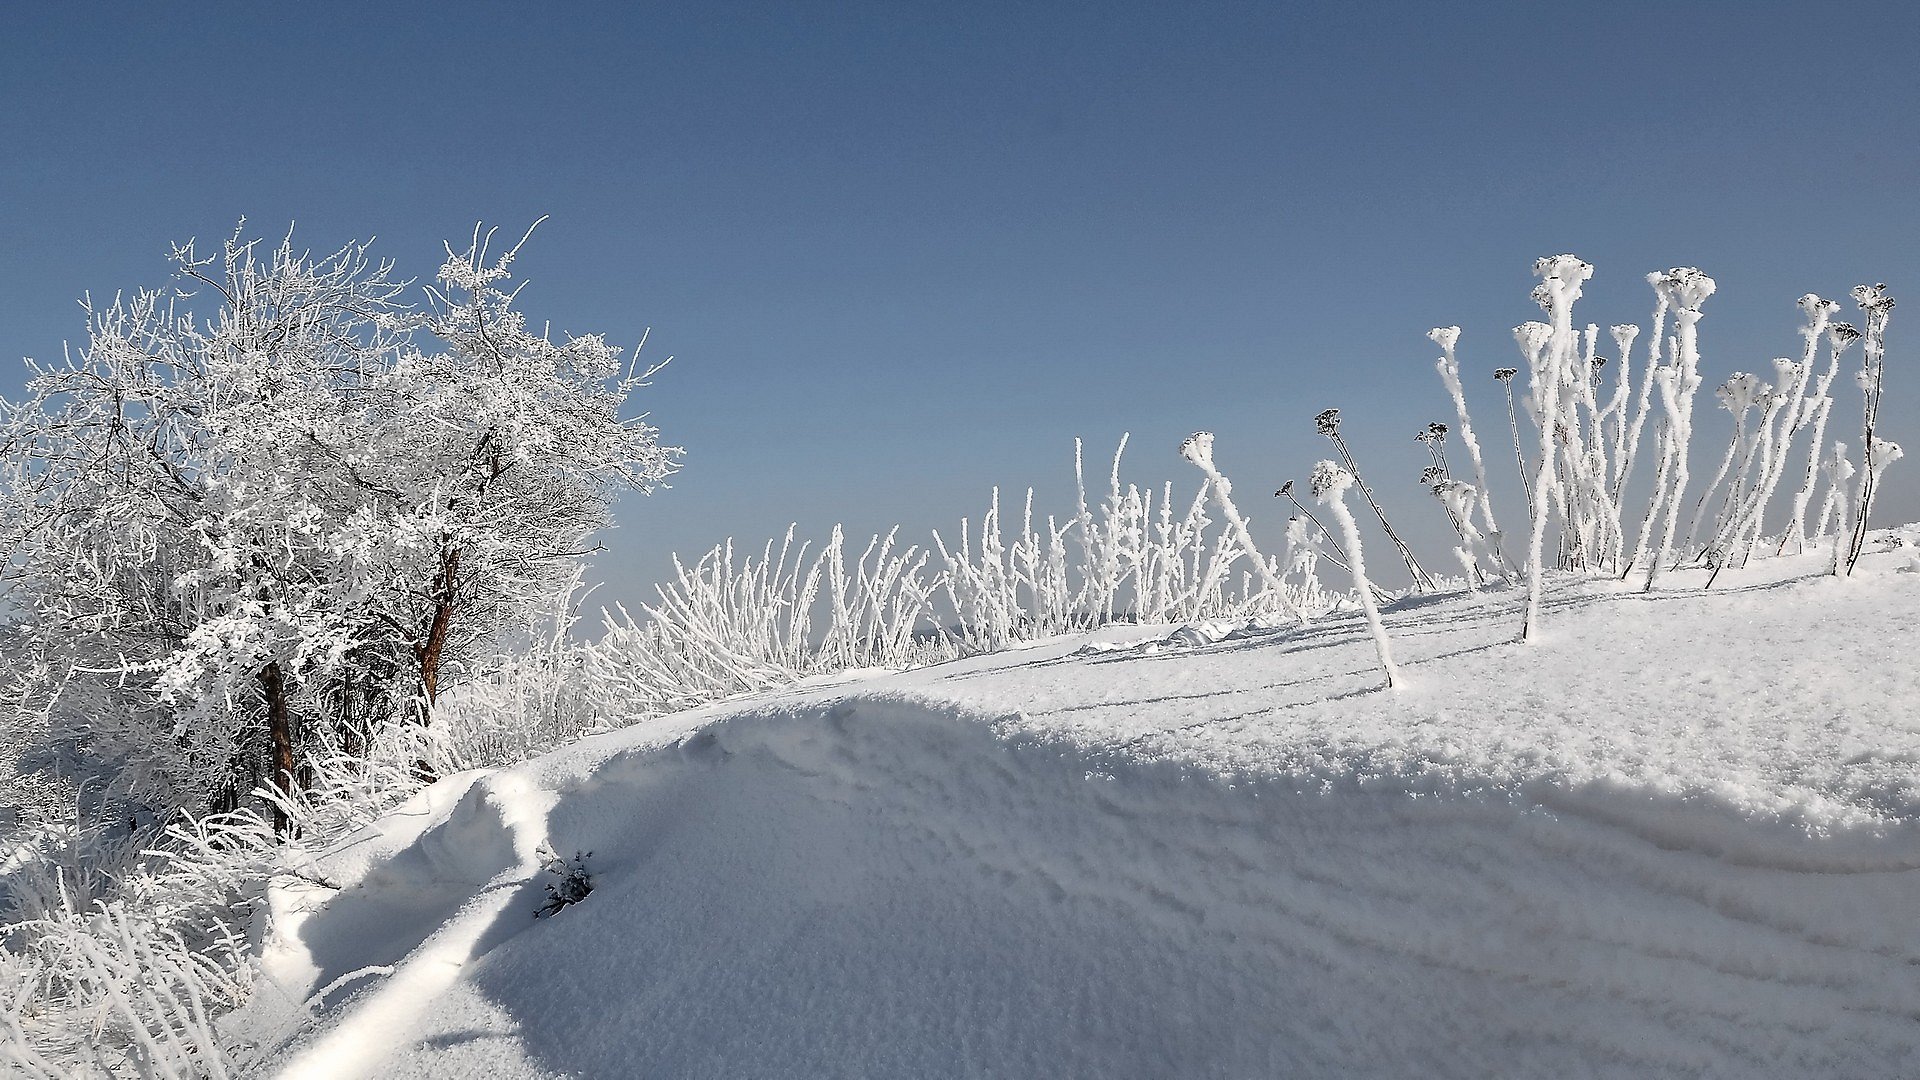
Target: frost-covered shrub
571, 882
294, 506
728, 624
127, 979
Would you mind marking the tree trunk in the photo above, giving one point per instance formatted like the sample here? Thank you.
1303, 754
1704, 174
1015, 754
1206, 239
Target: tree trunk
429, 652
273, 685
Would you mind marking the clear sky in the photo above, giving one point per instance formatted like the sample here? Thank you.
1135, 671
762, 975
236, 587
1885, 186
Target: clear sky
904, 252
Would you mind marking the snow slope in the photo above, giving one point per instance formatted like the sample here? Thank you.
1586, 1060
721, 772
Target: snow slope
1680, 836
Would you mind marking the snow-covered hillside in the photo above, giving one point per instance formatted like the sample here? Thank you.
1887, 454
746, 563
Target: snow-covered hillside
1678, 836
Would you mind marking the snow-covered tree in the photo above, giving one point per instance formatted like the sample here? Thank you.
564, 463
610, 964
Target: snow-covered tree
283, 498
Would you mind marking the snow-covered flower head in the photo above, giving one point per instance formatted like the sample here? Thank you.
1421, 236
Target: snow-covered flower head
1457, 498
1198, 449
1685, 286
1328, 422
1623, 335
1432, 433
1741, 392
1328, 480
1873, 298
1532, 338
1785, 371
1885, 453
1445, 336
1286, 489
1814, 305
1302, 535
1430, 474
1542, 295
1561, 278
1837, 466
1841, 334
1505, 373
1561, 268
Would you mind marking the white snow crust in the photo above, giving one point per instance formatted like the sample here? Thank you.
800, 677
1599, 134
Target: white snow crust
1678, 835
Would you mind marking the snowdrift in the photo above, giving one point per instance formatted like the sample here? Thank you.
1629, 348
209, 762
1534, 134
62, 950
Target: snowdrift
1678, 837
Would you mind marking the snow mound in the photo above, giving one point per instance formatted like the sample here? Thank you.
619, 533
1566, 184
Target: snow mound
1678, 837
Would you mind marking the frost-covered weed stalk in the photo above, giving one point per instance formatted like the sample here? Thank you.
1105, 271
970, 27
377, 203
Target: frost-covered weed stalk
1797, 414
1448, 338
1688, 288
1839, 336
1338, 556
1586, 444
1551, 352
1329, 485
1302, 559
1877, 453
731, 624
1505, 376
1738, 395
1198, 449
1327, 422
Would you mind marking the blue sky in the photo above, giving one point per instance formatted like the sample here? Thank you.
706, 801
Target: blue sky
904, 252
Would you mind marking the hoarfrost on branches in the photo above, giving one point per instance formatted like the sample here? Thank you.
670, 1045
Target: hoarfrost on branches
291, 506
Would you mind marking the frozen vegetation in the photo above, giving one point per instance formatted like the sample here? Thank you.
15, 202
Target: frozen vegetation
307, 741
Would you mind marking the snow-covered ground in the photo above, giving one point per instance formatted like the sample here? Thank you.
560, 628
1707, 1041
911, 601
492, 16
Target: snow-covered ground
1679, 836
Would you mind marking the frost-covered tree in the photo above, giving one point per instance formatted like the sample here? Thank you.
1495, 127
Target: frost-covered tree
284, 499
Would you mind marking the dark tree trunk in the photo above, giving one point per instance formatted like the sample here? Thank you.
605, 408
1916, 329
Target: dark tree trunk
273, 685
430, 651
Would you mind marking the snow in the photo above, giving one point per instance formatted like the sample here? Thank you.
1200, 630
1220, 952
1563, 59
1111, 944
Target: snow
1677, 835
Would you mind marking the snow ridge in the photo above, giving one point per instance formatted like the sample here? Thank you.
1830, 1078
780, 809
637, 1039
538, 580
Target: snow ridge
1148, 853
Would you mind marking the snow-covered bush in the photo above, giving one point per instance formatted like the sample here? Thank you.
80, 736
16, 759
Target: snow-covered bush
125, 976
731, 624
572, 882
292, 507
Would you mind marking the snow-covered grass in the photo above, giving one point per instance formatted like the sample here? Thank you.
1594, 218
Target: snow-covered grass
1677, 835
